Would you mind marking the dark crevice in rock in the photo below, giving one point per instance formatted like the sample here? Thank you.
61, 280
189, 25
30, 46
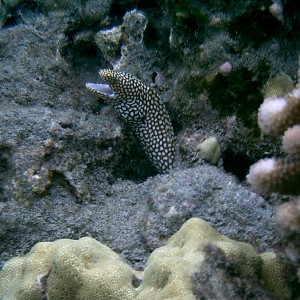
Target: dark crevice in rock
236, 164
4, 168
255, 27
135, 166
57, 177
240, 93
157, 35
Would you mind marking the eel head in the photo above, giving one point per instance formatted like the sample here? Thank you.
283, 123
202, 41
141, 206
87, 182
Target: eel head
118, 85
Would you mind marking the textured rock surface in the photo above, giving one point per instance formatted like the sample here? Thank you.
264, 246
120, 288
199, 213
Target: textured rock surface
134, 219
42, 145
116, 219
207, 193
34, 72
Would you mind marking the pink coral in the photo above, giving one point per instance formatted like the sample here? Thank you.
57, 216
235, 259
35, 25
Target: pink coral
279, 116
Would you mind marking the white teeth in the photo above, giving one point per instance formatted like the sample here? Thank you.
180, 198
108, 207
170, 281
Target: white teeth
100, 88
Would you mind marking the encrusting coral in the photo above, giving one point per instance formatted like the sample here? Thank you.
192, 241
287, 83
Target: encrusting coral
86, 269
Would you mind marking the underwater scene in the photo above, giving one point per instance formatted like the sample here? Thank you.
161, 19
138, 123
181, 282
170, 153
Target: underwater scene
149, 150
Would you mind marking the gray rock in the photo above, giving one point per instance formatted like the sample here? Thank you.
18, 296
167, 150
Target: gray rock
207, 192
90, 11
33, 69
41, 144
116, 219
133, 219
108, 41
94, 11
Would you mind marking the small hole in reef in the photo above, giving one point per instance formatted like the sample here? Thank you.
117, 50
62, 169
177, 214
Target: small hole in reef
241, 169
153, 77
136, 282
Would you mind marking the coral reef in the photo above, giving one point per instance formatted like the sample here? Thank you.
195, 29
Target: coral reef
288, 217
66, 169
90, 270
170, 271
195, 147
108, 41
272, 271
281, 116
208, 283
278, 86
124, 48
134, 218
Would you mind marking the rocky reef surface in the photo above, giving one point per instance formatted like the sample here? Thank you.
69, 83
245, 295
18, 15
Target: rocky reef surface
70, 168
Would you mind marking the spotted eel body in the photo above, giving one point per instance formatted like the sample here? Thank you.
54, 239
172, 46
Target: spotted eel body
143, 109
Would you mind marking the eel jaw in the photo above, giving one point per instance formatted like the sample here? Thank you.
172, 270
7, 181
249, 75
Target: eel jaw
103, 90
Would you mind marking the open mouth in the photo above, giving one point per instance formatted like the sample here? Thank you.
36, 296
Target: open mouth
100, 88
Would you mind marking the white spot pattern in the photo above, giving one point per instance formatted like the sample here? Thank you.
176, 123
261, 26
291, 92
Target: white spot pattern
141, 106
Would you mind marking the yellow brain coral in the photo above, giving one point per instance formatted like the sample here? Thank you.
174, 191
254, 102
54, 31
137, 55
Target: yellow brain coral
169, 270
273, 271
86, 269
68, 269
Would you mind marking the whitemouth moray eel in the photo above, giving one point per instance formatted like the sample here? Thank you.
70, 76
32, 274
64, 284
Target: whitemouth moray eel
143, 109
